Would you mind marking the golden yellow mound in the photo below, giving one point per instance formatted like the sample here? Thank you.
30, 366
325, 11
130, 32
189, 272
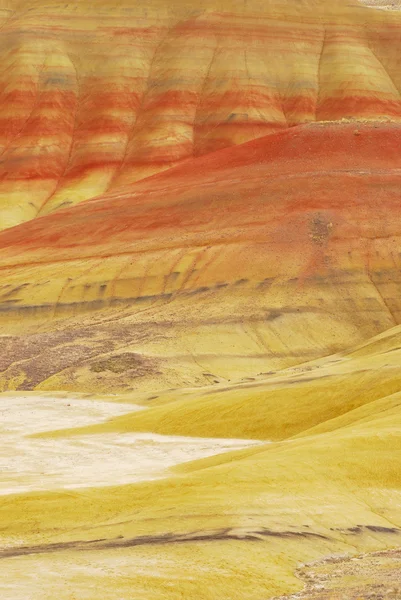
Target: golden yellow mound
237, 525
288, 403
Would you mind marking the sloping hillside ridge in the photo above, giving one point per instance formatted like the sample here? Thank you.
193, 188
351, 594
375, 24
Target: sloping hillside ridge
97, 96
264, 256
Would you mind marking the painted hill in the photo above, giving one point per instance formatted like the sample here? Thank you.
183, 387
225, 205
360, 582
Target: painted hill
230, 265
200, 214
97, 96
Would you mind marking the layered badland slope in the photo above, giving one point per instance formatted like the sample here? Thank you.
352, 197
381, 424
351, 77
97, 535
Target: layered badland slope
278, 222
252, 258
96, 96
200, 209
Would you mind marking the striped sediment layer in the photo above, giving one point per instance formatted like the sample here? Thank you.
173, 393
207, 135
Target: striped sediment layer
96, 98
228, 265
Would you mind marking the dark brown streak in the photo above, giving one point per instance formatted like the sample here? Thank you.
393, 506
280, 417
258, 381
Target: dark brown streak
226, 534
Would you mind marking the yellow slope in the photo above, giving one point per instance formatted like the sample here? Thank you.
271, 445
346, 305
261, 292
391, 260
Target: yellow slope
236, 525
284, 405
260, 511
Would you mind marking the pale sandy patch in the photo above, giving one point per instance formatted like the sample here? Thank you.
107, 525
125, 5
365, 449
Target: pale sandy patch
382, 4
31, 464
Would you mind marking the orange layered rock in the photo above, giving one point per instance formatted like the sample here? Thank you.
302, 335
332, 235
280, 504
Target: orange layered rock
95, 99
236, 261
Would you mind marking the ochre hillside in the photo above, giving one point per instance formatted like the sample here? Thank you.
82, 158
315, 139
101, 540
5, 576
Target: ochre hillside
235, 525
252, 258
200, 214
97, 95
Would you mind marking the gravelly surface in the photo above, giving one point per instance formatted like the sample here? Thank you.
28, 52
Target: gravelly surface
374, 576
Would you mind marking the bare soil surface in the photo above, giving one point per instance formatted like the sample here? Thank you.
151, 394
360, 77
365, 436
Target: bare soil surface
375, 576
383, 4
